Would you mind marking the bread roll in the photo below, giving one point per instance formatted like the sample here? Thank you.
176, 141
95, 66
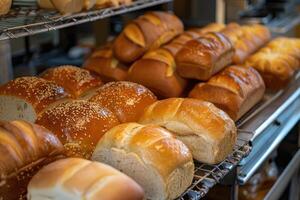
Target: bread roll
68, 6
26, 97
203, 57
88, 4
5, 6
76, 81
150, 155
107, 3
79, 125
147, 32
127, 100
78, 179
209, 132
235, 90
46, 4
24, 149
212, 27
276, 68
104, 64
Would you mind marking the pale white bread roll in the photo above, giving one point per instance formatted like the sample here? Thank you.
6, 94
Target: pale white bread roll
26, 97
150, 155
79, 179
208, 131
5, 6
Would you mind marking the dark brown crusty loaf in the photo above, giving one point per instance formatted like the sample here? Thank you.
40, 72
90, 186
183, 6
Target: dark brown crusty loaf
79, 125
147, 32
24, 149
126, 99
103, 63
24, 98
235, 90
203, 57
76, 81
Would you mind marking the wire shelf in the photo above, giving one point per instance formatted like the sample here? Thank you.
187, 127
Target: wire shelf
28, 20
206, 176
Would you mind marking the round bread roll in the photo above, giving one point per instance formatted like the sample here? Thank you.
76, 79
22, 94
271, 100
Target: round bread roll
150, 155
78, 179
79, 125
24, 149
24, 98
76, 81
127, 100
68, 6
46, 4
5, 6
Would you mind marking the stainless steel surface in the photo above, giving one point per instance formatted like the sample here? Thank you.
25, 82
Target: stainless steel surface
31, 20
284, 179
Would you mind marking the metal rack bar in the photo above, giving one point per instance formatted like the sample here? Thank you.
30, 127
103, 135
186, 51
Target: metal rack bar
31, 20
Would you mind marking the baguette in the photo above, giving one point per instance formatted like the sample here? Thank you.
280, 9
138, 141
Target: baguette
207, 131
235, 90
150, 155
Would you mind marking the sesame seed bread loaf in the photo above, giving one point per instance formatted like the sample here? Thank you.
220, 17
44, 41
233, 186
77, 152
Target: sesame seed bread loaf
79, 125
76, 81
209, 132
79, 179
150, 155
26, 97
127, 100
24, 149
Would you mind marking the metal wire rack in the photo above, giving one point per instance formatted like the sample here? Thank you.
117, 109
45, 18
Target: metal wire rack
29, 20
206, 176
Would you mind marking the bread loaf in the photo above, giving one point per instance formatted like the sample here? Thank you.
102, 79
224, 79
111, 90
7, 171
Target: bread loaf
150, 155
5, 6
212, 27
76, 81
103, 63
78, 179
26, 97
127, 100
147, 32
276, 68
208, 132
203, 57
79, 125
111, 3
88, 4
24, 149
235, 90
45, 4
68, 6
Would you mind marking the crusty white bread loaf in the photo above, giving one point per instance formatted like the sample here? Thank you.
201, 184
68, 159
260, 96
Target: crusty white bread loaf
147, 32
234, 90
5, 6
150, 155
209, 132
205, 56
24, 149
125, 99
79, 179
76, 81
26, 97
78, 124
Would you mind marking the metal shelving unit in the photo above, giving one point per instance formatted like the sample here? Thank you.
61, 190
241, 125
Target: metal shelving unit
29, 20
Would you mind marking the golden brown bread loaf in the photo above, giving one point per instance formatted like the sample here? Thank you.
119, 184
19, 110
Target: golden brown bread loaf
76, 81
79, 125
147, 32
276, 68
208, 132
246, 39
5, 6
234, 90
150, 155
203, 57
24, 149
111, 3
212, 27
63, 6
79, 179
127, 100
103, 63
26, 97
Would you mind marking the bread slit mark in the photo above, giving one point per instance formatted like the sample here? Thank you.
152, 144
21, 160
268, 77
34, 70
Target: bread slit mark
128, 133
72, 170
134, 33
97, 186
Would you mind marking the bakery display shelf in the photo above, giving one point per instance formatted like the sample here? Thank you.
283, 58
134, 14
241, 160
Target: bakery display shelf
29, 20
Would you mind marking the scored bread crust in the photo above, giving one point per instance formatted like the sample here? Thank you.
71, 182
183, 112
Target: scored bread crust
24, 149
161, 164
209, 132
241, 89
77, 179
